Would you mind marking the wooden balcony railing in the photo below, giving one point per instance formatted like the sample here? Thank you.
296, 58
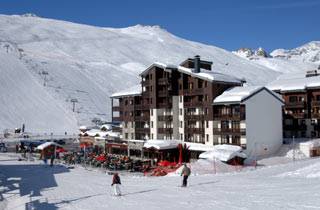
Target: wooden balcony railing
165, 130
300, 104
295, 127
194, 130
219, 131
116, 119
165, 118
116, 108
142, 130
142, 118
198, 91
315, 115
239, 116
315, 103
298, 115
194, 117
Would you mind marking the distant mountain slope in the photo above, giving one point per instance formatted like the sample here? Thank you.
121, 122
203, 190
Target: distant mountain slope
89, 63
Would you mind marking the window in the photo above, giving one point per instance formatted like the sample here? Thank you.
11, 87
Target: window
151, 136
206, 97
317, 97
126, 102
181, 124
151, 112
151, 124
180, 98
180, 110
132, 136
207, 124
126, 135
293, 99
207, 137
200, 83
181, 136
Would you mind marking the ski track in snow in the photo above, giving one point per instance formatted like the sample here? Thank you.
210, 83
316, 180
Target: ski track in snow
28, 185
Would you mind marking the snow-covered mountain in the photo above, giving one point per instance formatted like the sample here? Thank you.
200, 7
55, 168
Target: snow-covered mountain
48, 63
294, 61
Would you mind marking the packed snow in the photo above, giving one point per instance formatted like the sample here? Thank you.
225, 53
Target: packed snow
31, 185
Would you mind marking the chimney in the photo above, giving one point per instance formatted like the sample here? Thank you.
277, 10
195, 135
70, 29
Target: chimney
196, 64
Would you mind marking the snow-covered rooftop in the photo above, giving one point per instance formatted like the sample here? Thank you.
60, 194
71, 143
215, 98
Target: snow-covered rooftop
132, 91
198, 147
210, 75
240, 94
292, 84
161, 144
223, 152
159, 65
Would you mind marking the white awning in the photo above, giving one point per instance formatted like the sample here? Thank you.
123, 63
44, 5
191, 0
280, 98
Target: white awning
47, 144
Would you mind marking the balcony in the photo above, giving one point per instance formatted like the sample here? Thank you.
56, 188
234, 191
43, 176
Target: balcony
295, 105
142, 118
194, 117
235, 116
194, 130
315, 115
315, 103
192, 104
165, 118
232, 131
163, 93
141, 107
165, 130
295, 127
116, 119
298, 115
163, 81
142, 130
145, 83
193, 92
116, 108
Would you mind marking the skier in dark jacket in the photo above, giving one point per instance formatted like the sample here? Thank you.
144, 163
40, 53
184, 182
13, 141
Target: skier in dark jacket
185, 173
116, 182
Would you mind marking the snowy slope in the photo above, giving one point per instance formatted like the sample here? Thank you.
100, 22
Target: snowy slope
286, 186
23, 100
90, 63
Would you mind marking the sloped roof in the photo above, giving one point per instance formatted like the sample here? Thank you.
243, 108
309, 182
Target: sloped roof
210, 75
159, 65
295, 84
132, 91
241, 94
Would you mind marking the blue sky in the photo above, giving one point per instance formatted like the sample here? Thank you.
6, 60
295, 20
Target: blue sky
229, 24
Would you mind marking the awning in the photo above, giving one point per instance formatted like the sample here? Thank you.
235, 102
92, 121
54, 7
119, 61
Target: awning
47, 144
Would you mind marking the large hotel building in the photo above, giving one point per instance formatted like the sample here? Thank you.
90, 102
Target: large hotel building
178, 103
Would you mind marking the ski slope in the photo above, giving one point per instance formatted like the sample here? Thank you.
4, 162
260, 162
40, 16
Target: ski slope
272, 187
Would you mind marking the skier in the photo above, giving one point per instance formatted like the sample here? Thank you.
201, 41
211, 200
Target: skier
115, 183
185, 173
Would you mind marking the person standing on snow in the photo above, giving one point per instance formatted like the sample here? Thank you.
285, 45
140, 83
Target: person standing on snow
186, 171
116, 184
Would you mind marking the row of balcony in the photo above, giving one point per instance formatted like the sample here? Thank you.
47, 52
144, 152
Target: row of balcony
165, 118
230, 116
198, 91
227, 130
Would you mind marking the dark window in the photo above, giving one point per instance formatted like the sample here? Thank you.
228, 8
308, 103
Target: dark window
293, 99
